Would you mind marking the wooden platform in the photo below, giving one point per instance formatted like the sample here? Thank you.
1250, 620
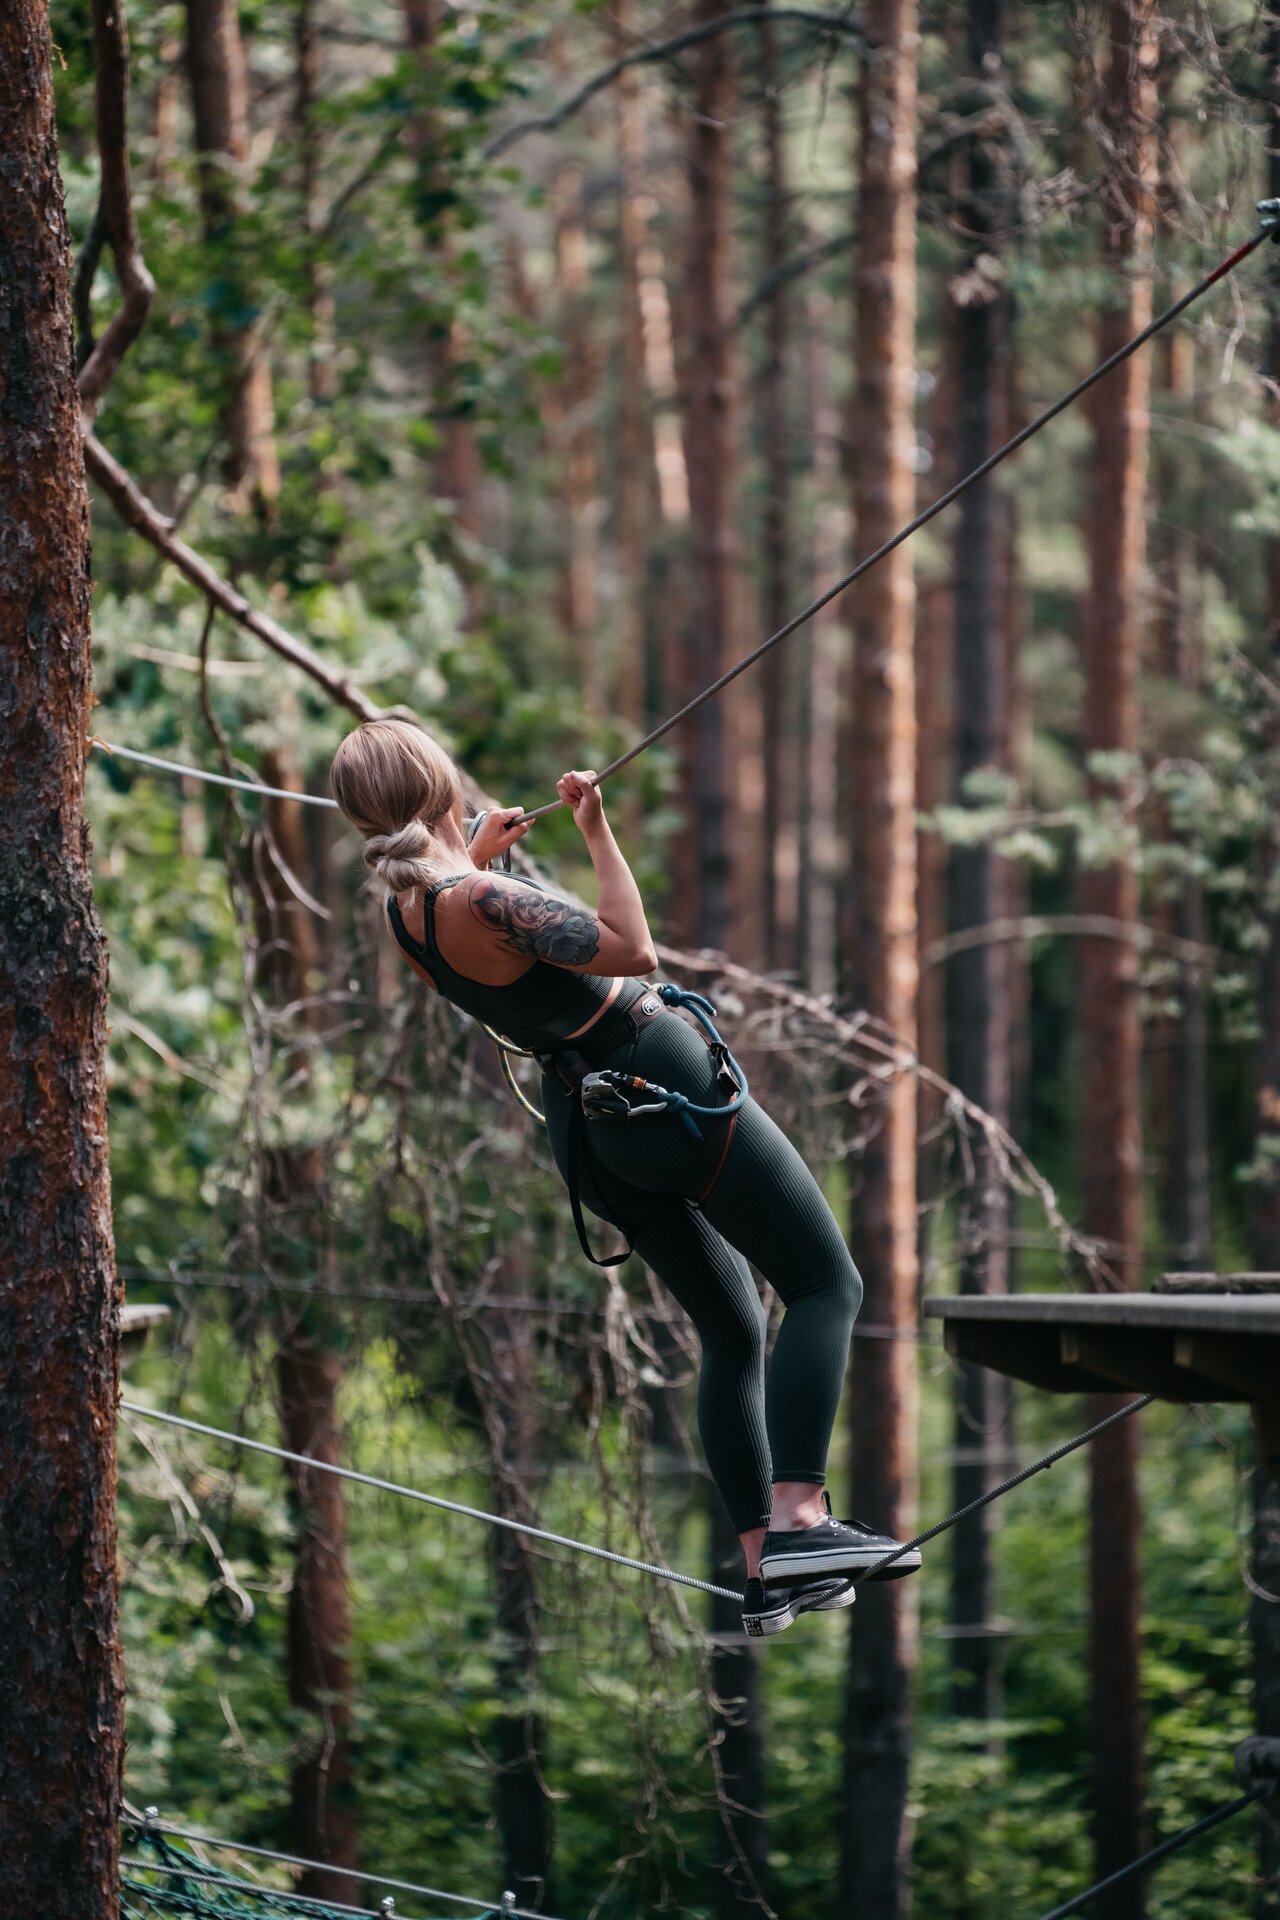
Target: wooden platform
1177, 1345
135, 1324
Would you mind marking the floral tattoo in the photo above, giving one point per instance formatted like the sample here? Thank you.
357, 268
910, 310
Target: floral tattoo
536, 924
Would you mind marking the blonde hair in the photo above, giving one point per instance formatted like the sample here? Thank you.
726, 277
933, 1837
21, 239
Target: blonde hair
395, 784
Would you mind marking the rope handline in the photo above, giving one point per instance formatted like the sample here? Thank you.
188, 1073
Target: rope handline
930, 512
210, 779
605, 1553
296, 1860
1007, 1486
1211, 1820
432, 1500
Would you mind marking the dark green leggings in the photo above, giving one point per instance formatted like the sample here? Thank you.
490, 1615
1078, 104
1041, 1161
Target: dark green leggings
645, 1176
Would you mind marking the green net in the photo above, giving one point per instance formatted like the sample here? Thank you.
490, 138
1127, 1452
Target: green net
162, 1881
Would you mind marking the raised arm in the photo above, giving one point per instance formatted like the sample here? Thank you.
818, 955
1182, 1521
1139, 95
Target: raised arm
614, 939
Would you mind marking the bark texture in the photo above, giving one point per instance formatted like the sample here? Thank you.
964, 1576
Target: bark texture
219, 106
979, 986
1111, 1027
1264, 1611
308, 1378
708, 444
61, 1681
776, 672
880, 948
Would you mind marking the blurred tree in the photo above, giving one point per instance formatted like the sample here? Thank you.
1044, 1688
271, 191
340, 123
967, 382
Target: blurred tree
879, 949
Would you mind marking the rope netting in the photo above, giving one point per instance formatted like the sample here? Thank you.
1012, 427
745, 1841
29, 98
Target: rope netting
161, 1880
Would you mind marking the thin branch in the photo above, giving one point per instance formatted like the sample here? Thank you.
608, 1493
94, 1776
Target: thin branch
114, 221
1083, 926
837, 24
146, 519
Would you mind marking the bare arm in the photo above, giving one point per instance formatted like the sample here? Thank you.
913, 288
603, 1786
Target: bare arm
615, 939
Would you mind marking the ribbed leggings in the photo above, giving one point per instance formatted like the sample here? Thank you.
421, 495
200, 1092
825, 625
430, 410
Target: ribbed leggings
759, 1202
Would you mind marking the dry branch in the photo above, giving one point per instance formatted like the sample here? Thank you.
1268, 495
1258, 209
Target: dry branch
1192, 954
839, 24
113, 223
146, 519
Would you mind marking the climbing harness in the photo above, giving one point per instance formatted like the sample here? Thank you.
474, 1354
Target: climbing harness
607, 1094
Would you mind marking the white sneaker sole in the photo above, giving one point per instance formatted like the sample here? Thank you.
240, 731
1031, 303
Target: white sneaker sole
759, 1626
781, 1568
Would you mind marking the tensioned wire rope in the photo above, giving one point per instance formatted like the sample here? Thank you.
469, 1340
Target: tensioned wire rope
151, 1826
605, 1553
1166, 1847
1269, 228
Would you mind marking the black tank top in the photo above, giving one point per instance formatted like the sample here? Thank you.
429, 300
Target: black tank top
538, 1011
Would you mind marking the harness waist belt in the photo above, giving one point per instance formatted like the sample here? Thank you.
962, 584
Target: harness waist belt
617, 1028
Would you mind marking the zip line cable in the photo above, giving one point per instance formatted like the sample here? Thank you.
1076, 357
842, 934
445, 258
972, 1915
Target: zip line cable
1007, 1486
432, 1500
1270, 223
1211, 1820
153, 1825
210, 779
604, 1553
930, 512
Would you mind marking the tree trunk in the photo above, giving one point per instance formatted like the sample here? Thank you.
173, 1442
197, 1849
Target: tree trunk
979, 987
61, 1679
1111, 1031
634, 470
1264, 1612
456, 474
743, 1842
322, 380
575, 441
219, 105
820, 663
708, 444
880, 951
776, 672
308, 1379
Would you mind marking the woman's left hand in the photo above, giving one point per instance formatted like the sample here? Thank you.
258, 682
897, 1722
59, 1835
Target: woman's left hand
496, 834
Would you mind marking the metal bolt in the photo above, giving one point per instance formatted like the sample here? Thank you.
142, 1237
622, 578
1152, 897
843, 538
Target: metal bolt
387, 1906
150, 1815
508, 1903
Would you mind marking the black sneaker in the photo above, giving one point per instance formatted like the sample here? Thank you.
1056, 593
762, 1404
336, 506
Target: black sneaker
832, 1547
773, 1611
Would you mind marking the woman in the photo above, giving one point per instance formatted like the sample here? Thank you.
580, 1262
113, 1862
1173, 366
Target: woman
694, 1199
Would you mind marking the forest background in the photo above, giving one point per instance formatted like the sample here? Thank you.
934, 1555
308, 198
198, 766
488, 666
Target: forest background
530, 403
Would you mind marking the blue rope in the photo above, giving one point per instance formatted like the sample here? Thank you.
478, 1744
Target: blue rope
703, 1012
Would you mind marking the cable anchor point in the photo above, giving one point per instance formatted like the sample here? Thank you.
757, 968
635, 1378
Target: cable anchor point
1269, 217
388, 1907
508, 1903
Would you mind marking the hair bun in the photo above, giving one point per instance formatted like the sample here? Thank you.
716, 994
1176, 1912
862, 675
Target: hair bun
401, 859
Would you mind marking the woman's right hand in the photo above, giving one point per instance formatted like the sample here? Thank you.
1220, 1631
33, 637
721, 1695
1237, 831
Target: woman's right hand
580, 791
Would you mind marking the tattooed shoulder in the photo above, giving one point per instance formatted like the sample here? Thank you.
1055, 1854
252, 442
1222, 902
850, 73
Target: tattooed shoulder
536, 924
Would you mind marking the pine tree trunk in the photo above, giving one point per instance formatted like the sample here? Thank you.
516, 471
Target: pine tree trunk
61, 1679
634, 468
308, 1379
456, 473
574, 437
322, 380
820, 661
742, 1851
1264, 1612
1111, 1031
219, 104
880, 951
708, 445
979, 988
775, 670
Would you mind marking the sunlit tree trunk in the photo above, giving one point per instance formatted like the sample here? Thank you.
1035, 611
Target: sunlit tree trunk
979, 987
456, 468
819, 663
1110, 1014
61, 1681
706, 380
219, 102
880, 951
